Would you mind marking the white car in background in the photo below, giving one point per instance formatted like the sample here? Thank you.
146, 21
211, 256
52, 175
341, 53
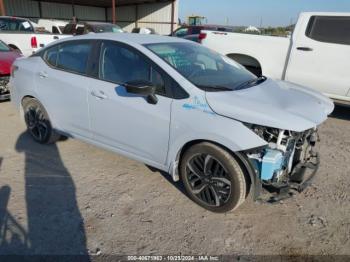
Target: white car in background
317, 55
24, 36
176, 106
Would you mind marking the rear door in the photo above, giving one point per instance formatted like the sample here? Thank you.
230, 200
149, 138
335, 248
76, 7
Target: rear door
124, 121
62, 84
320, 56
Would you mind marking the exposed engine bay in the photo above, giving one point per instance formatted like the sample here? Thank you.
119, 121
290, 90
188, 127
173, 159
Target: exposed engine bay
284, 160
4, 88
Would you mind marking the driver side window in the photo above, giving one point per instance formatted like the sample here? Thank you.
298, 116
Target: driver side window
119, 64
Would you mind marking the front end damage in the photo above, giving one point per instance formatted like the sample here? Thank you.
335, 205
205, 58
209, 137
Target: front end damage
286, 165
4, 87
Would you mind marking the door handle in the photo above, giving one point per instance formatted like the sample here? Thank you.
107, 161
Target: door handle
55, 37
43, 74
302, 48
99, 95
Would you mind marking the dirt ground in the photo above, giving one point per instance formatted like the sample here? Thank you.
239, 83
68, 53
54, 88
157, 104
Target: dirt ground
73, 198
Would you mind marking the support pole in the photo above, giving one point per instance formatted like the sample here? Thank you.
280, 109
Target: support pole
2, 7
172, 16
40, 10
136, 15
74, 18
113, 12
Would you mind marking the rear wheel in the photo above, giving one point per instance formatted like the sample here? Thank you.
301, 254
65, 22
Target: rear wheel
38, 122
213, 178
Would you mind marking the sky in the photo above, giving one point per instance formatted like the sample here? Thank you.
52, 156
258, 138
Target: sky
256, 12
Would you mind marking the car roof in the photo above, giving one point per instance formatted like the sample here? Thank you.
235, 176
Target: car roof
129, 38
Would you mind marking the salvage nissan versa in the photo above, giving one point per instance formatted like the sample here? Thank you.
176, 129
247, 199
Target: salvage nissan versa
179, 107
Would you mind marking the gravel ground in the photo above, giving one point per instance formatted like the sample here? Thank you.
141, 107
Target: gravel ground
73, 198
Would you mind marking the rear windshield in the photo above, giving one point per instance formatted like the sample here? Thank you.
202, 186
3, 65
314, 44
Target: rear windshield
106, 28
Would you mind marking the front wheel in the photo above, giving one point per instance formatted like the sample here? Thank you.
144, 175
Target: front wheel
38, 122
213, 178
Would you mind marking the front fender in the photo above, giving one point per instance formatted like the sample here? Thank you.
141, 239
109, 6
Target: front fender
191, 123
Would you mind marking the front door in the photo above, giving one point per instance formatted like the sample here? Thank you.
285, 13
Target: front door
124, 121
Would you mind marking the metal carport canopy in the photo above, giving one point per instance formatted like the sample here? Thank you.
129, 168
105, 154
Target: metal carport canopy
113, 4
105, 3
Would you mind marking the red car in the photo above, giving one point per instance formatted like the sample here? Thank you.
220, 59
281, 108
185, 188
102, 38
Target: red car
7, 57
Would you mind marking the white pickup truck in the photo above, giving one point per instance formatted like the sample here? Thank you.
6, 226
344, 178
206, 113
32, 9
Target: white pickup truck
316, 56
23, 35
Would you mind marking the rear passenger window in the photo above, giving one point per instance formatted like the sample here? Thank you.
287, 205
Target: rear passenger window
120, 65
330, 29
73, 57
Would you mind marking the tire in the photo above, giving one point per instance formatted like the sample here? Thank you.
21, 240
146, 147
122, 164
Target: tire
213, 178
38, 122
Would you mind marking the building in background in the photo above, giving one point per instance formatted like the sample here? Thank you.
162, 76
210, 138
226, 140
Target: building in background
160, 15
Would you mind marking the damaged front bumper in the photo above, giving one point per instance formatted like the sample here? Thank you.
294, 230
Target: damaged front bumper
300, 178
285, 166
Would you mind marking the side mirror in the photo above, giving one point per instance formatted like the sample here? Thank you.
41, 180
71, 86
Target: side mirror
144, 88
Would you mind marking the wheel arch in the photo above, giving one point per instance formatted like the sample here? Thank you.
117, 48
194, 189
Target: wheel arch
240, 157
26, 97
13, 46
33, 96
249, 62
19, 103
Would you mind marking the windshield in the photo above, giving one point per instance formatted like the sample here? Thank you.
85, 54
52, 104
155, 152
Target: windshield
203, 67
106, 28
3, 47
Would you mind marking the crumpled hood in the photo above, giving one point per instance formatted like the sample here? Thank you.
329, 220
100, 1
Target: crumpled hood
275, 104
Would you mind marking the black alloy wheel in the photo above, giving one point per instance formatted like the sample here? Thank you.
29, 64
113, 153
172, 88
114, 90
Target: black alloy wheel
213, 178
38, 122
208, 180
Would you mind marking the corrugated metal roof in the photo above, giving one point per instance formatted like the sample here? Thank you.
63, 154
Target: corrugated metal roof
105, 3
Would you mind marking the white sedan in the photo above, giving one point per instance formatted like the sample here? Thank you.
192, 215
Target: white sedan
177, 106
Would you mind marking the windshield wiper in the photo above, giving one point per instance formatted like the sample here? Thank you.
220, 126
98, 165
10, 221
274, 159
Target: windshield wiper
250, 83
214, 88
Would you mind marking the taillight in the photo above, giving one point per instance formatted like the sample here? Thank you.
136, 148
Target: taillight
201, 37
33, 42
